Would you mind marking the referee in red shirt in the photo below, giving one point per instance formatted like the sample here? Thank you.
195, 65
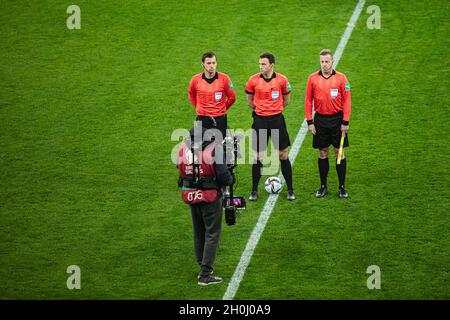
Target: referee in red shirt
268, 93
212, 94
329, 92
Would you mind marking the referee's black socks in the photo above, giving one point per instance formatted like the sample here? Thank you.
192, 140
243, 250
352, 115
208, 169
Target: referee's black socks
256, 174
324, 167
286, 170
341, 170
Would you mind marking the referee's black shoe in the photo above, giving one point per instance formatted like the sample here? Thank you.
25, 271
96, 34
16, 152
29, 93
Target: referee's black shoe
342, 192
291, 195
321, 192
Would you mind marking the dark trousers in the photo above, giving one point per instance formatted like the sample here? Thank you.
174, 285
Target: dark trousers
207, 227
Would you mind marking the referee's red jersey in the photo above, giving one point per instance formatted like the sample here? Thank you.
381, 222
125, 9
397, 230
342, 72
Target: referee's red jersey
211, 97
268, 93
329, 95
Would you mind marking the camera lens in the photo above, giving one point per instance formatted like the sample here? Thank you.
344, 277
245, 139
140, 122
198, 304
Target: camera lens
230, 215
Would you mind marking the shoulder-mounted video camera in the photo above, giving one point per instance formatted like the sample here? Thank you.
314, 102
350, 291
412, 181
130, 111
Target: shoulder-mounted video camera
232, 203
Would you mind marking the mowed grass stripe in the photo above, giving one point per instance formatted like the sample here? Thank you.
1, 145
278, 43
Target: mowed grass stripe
396, 214
246, 256
85, 139
85, 146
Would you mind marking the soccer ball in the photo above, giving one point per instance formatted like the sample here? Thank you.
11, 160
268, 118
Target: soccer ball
273, 185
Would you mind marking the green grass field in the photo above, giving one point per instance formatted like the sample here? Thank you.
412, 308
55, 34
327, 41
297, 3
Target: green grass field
85, 142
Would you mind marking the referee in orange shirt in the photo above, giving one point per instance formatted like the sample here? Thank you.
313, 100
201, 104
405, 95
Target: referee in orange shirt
329, 92
268, 93
212, 94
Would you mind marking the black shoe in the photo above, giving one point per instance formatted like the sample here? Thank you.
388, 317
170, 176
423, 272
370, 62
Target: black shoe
342, 192
199, 276
321, 192
291, 195
207, 280
253, 196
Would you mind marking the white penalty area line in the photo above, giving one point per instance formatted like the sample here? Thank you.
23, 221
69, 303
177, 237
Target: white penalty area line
272, 200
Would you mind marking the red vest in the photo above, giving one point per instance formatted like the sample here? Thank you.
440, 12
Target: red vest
206, 168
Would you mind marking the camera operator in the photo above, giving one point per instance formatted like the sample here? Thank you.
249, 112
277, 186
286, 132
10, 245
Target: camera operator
203, 173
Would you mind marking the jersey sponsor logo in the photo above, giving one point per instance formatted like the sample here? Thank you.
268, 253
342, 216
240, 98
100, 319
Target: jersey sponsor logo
275, 95
347, 86
334, 93
288, 87
218, 96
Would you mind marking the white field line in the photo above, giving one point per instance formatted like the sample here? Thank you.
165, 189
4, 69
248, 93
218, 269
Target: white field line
272, 200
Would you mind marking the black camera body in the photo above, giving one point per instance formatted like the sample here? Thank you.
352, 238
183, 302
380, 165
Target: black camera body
231, 208
230, 215
232, 203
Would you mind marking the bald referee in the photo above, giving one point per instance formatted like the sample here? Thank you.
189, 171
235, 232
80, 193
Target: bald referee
328, 91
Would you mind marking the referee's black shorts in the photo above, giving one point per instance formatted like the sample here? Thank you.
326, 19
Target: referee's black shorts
269, 126
220, 123
328, 131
